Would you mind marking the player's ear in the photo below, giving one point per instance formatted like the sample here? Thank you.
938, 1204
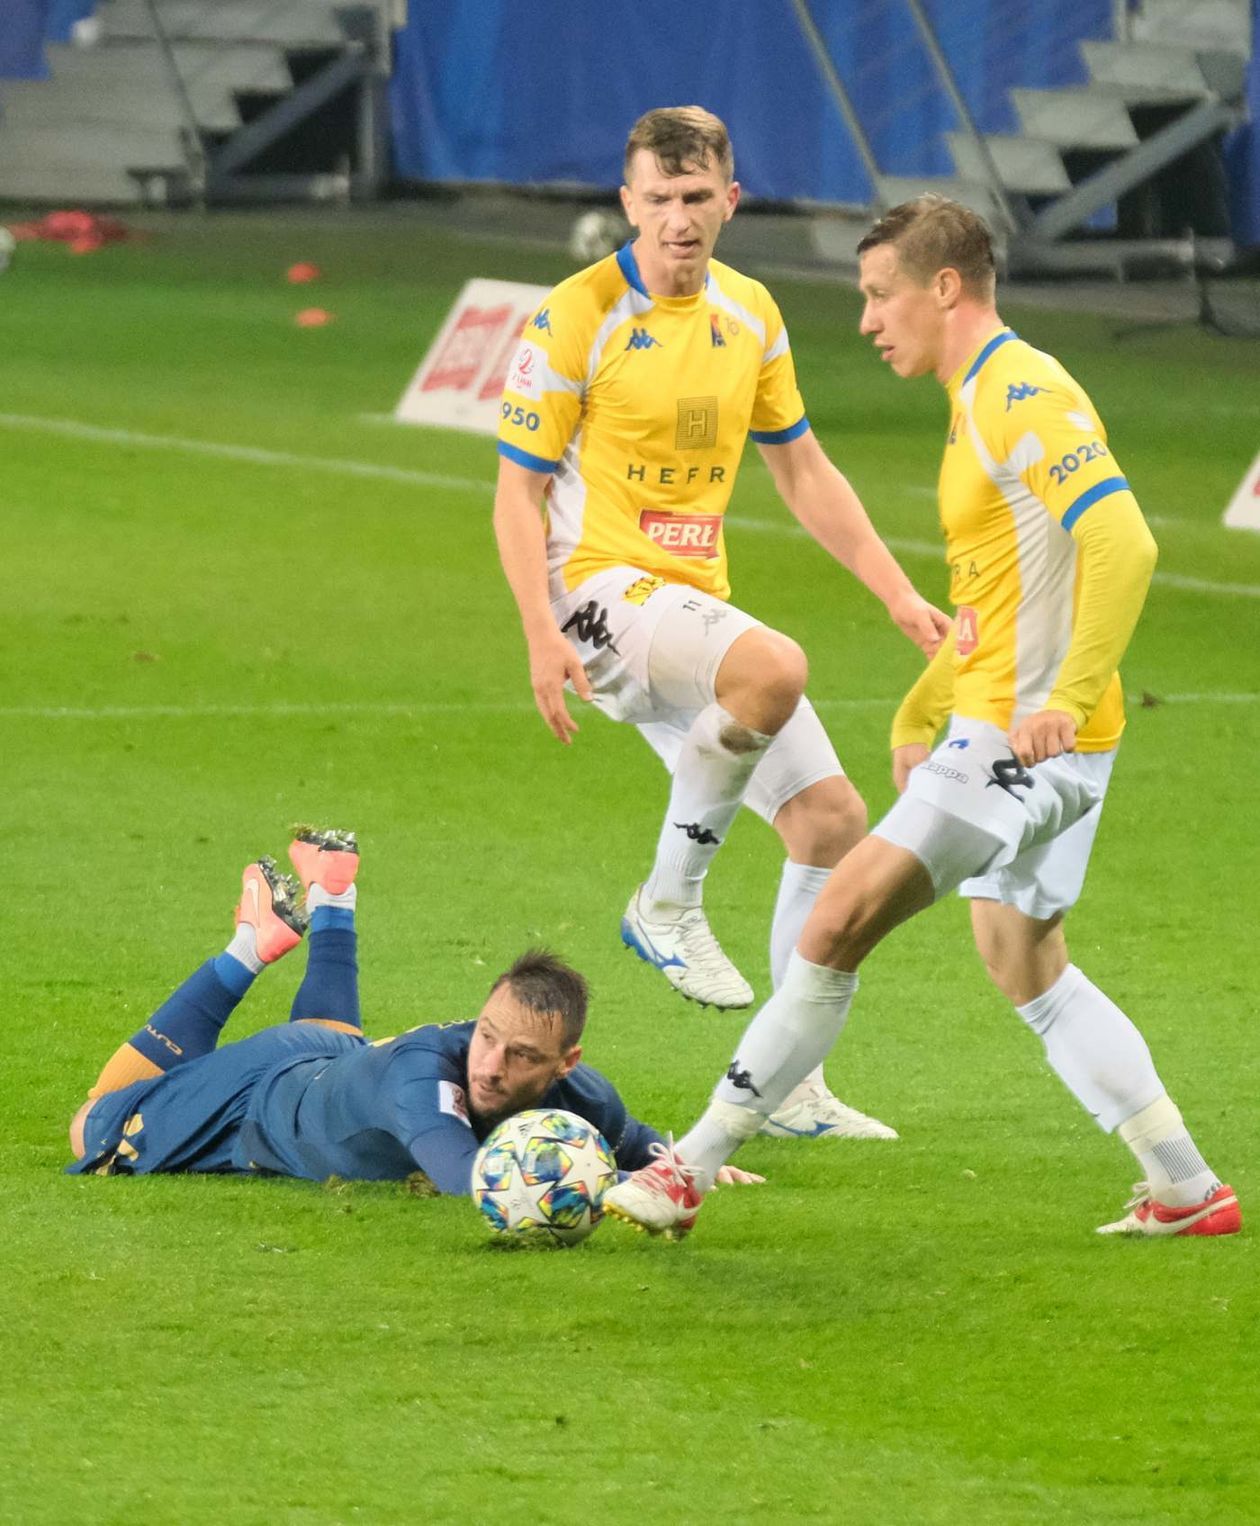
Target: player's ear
627, 201
948, 286
568, 1060
732, 200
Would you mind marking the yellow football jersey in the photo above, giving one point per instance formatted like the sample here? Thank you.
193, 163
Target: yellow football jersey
637, 407
1026, 459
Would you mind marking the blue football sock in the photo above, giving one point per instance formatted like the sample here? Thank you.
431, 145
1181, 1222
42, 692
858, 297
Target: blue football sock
189, 1021
330, 988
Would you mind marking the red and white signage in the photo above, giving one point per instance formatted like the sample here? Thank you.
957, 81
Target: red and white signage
1244, 507
460, 380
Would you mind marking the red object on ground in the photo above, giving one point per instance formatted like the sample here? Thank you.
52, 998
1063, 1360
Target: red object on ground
313, 318
84, 232
303, 272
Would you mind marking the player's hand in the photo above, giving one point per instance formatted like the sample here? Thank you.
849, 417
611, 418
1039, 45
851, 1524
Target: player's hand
922, 622
1043, 735
904, 758
553, 661
732, 1176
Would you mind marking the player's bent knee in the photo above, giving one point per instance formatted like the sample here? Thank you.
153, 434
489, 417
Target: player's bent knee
762, 678
78, 1126
823, 822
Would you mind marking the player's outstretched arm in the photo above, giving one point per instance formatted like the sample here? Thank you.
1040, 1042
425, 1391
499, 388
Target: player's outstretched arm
820, 497
553, 660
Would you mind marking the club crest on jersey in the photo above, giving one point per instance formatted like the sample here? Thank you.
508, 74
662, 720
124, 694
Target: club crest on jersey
640, 339
966, 631
542, 321
1018, 392
715, 333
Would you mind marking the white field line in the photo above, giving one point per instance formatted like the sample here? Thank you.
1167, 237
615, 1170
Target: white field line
369, 708
255, 455
936, 551
249, 453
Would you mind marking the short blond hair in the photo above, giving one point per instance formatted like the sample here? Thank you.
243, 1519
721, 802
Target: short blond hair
933, 233
681, 139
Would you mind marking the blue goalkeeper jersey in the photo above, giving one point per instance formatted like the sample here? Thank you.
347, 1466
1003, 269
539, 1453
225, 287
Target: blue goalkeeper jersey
303, 1100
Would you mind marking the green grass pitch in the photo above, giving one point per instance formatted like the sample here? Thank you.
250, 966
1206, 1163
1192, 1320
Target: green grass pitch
199, 649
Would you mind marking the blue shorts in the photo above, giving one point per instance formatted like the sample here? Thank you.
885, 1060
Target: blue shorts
190, 1118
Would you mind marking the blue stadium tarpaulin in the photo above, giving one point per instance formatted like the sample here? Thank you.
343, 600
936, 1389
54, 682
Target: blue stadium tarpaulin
543, 93
23, 25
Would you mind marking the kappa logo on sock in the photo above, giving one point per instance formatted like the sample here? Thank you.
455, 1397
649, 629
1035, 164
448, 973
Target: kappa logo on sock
741, 1079
698, 834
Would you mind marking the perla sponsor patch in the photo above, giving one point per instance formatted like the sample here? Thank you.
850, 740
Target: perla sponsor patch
682, 534
451, 1099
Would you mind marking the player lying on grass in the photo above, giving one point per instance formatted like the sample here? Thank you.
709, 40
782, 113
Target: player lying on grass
311, 1097
1050, 561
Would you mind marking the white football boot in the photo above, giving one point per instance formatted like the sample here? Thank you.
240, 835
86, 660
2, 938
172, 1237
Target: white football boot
687, 954
813, 1112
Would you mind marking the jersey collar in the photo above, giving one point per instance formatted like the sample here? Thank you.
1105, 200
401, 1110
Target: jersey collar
630, 269
970, 369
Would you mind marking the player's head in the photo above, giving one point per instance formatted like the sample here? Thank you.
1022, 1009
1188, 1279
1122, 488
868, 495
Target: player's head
920, 264
528, 1035
680, 188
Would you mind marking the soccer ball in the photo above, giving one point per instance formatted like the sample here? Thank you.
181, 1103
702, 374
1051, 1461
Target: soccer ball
596, 234
542, 1175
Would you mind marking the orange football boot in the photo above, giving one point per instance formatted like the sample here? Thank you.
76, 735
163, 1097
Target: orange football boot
269, 904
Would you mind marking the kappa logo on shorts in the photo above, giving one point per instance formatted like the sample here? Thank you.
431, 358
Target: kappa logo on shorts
590, 623
945, 772
1010, 774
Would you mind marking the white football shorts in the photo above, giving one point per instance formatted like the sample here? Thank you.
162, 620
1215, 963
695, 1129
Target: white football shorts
652, 650
980, 822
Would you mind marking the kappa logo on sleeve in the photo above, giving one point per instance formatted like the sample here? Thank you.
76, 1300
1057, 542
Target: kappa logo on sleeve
451, 1100
1019, 392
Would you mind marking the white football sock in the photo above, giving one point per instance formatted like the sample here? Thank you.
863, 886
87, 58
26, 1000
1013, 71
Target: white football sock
318, 896
783, 1043
1174, 1170
244, 948
799, 887
1094, 1049
717, 761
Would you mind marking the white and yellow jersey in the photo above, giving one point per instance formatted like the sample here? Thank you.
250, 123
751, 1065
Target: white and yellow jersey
1026, 459
637, 407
